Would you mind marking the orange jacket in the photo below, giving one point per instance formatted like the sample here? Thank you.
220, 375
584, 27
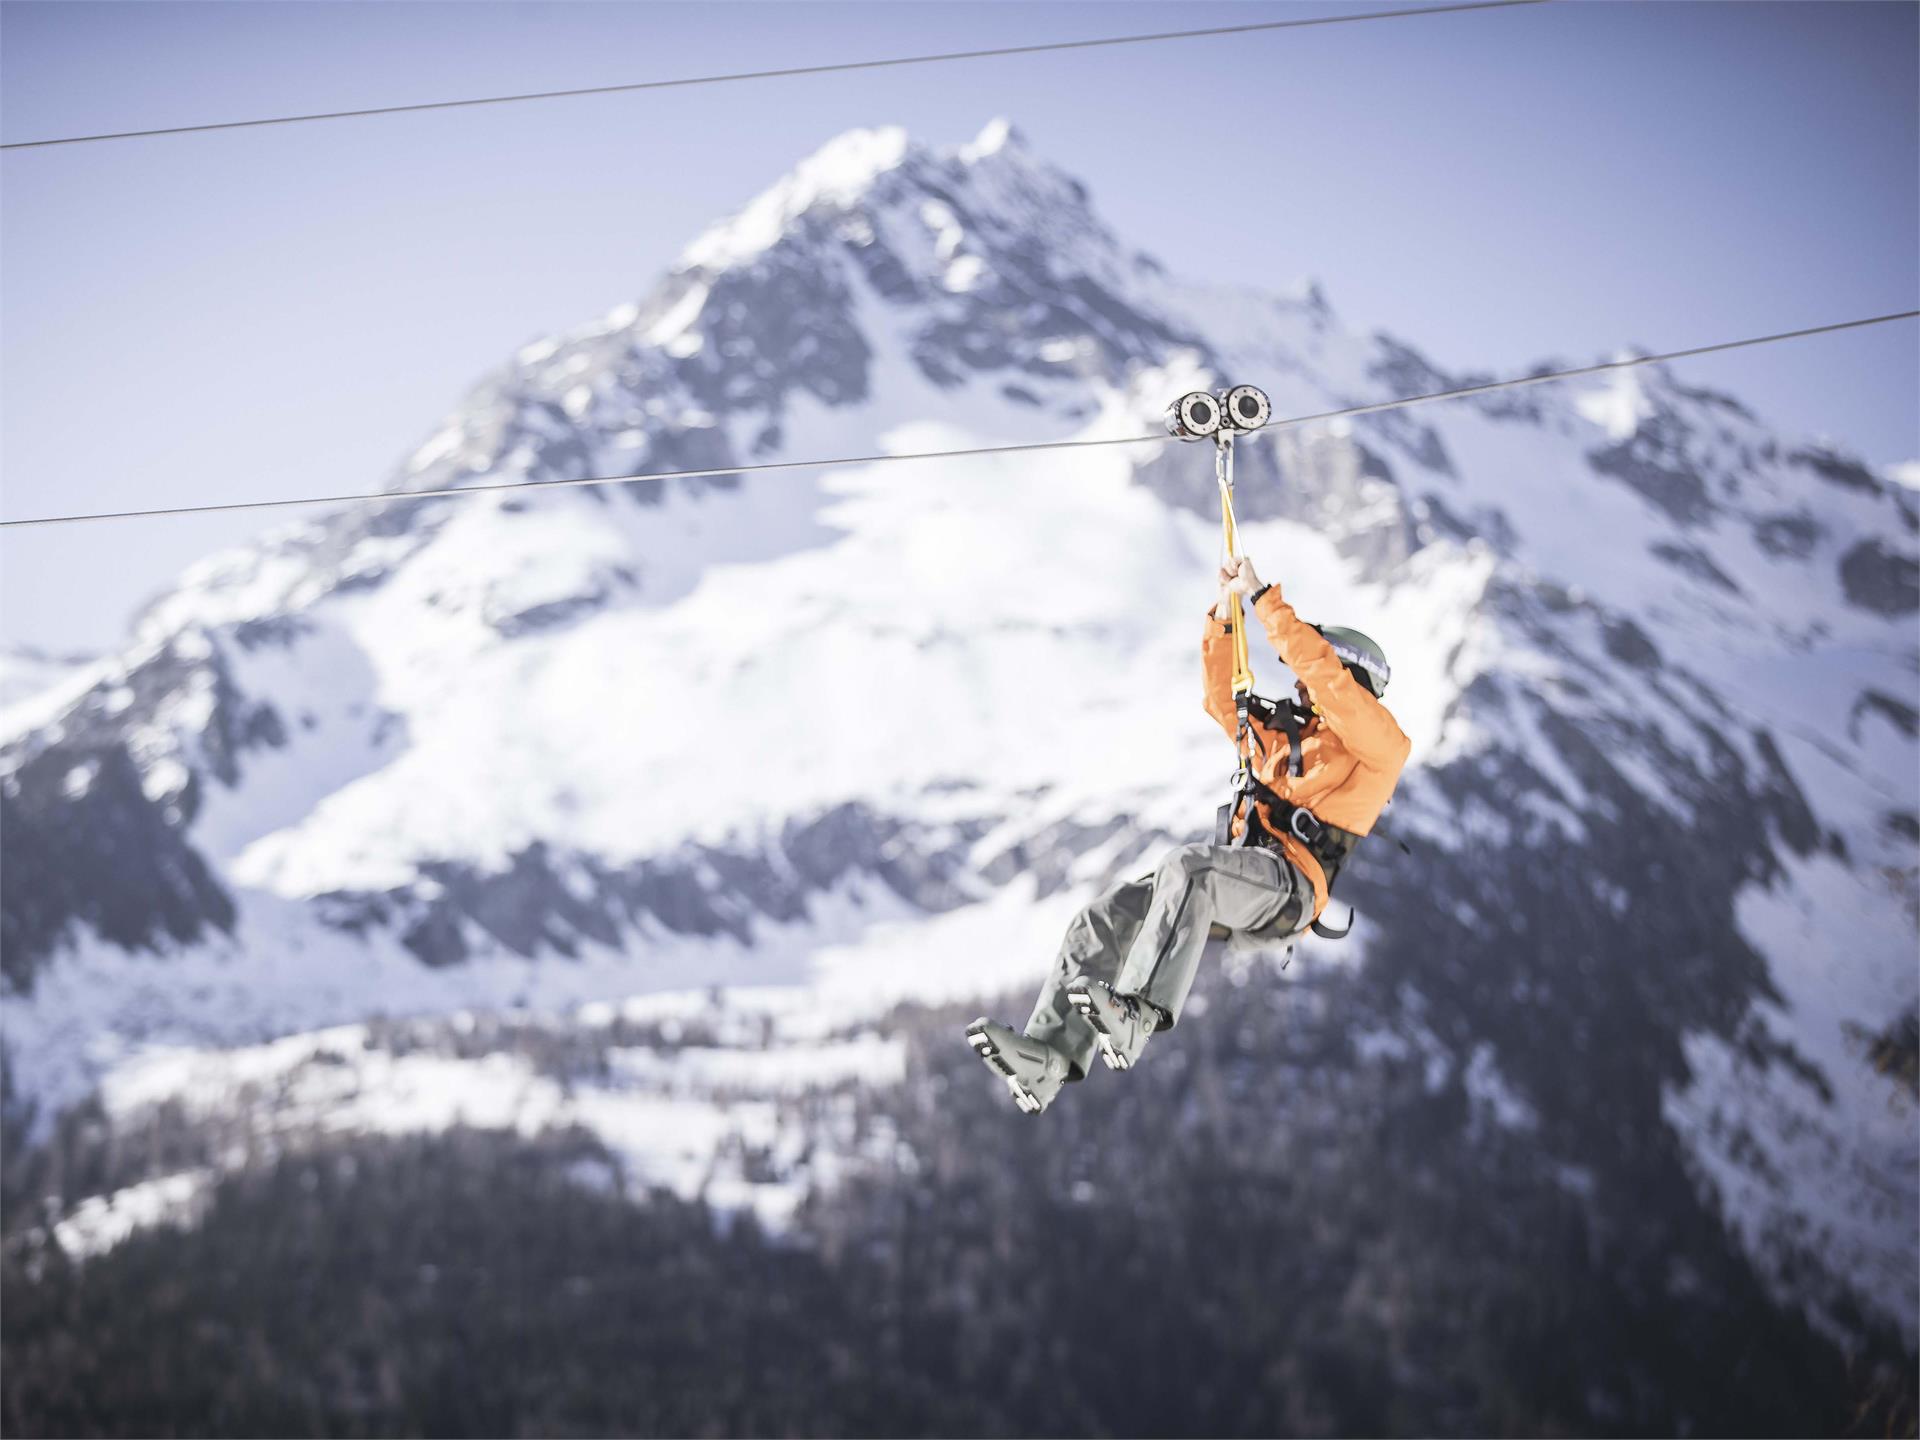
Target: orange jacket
1351, 752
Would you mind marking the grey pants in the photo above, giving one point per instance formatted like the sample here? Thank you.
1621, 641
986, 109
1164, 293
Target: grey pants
1145, 937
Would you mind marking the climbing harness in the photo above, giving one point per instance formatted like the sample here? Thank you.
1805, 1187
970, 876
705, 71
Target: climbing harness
1201, 416
1328, 844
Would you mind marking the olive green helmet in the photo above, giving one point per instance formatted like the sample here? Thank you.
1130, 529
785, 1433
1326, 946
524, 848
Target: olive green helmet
1361, 655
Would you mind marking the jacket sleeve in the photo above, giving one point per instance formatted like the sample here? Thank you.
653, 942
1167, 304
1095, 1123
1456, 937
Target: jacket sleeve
1216, 669
1351, 711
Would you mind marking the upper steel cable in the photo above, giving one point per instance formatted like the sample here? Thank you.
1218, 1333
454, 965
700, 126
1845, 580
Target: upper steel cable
388, 496
790, 71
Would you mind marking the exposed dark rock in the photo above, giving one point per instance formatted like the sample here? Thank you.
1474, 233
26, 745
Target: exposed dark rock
1439, 514
1406, 371
1422, 443
1894, 1051
1706, 397
1323, 481
71, 816
1897, 712
1692, 560
84, 843
280, 631
553, 614
809, 343
541, 903
238, 725
435, 938
1049, 854
1908, 506
1783, 800
1652, 462
1881, 580
1792, 535
1628, 643
1835, 469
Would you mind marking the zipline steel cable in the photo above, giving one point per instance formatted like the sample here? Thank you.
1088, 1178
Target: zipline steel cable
1279, 423
686, 82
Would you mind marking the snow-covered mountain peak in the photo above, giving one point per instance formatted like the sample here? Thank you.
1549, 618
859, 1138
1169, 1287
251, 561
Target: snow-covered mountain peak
996, 135
838, 173
1617, 402
970, 210
868, 177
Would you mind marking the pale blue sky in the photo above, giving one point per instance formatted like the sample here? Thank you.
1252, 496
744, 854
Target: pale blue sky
283, 311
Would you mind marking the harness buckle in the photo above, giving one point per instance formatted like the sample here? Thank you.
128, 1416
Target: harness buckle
1307, 827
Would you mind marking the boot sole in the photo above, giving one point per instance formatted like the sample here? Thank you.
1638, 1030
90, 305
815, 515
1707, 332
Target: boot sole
1024, 1099
1082, 1001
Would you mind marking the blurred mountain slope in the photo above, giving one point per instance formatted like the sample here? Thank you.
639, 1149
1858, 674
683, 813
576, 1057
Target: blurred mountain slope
536, 749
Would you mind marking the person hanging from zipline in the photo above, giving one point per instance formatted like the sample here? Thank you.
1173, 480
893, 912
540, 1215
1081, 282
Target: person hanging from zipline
1314, 778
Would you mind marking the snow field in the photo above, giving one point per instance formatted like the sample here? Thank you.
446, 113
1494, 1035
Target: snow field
711, 1118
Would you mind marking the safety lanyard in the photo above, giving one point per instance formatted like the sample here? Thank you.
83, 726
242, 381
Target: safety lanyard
1230, 541
1236, 616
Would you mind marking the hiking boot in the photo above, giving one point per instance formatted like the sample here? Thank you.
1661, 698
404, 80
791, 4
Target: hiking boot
1034, 1071
1122, 1022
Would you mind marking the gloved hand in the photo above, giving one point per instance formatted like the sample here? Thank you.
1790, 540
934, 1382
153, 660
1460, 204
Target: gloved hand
1239, 577
1222, 605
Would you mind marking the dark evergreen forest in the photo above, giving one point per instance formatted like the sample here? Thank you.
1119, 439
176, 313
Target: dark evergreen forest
1208, 1246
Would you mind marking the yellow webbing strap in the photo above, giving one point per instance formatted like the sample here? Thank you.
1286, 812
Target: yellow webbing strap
1242, 670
